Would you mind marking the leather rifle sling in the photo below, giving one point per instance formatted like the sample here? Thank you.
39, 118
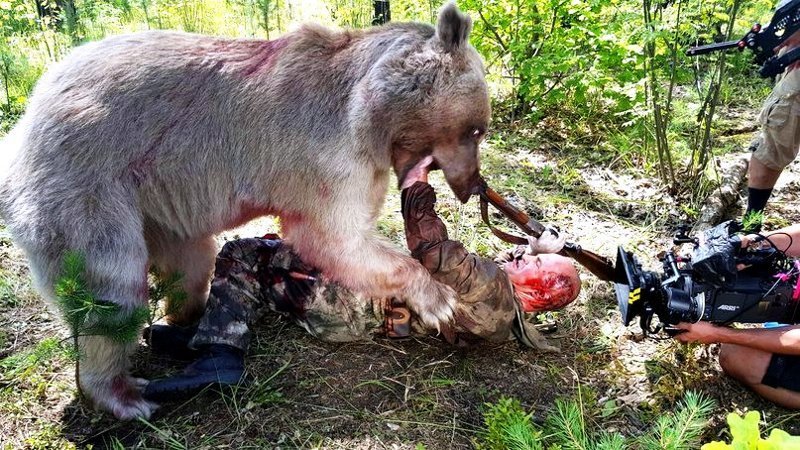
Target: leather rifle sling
507, 237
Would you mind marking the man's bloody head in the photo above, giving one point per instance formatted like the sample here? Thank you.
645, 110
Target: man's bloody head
543, 282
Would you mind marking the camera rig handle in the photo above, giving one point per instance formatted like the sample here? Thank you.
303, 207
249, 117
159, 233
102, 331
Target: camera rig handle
598, 265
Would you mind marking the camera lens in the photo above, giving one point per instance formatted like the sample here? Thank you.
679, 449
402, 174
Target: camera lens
681, 307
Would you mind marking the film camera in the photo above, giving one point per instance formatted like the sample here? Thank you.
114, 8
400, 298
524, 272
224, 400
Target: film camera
719, 282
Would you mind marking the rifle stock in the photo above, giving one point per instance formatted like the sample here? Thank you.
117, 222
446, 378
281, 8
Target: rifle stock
598, 265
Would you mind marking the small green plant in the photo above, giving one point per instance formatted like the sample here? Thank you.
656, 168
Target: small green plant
168, 438
508, 426
568, 429
19, 365
572, 426
683, 428
752, 221
87, 316
8, 295
746, 435
166, 287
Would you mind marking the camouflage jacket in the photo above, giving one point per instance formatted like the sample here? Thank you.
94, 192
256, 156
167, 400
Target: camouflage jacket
259, 274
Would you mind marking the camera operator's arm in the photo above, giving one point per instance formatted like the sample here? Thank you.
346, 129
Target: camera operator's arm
783, 340
786, 239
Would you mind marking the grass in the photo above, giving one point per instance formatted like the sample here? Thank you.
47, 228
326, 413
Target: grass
309, 394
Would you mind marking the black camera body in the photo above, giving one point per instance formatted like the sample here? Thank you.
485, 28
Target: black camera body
720, 282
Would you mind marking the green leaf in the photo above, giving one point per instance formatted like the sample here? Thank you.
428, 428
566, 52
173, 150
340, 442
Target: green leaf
780, 440
716, 445
745, 430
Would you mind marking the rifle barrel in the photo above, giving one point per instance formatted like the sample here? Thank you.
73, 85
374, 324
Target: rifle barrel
703, 49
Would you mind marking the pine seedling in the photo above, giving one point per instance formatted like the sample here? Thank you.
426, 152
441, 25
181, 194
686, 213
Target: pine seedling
169, 288
568, 425
610, 441
508, 426
568, 428
682, 429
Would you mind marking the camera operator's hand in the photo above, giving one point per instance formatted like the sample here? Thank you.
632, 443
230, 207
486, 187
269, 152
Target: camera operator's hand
703, 332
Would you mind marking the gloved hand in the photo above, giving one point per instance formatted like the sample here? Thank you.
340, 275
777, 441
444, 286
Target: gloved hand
423, 227
551, 241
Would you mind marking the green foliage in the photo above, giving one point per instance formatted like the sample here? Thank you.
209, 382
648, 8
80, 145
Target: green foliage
578, 55
572, 427
351, 13
752, 221
746, 435
87, 315
18, 74
568, 429
569, 424
17, 16
683, 428
19, 365
508, 426
7, 295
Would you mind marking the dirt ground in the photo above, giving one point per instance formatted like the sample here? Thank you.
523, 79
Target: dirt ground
412, 393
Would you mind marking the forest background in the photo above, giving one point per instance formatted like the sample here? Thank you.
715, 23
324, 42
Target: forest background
612, 72
599, 118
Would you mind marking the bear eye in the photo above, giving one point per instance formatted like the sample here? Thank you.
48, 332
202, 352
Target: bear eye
477, 133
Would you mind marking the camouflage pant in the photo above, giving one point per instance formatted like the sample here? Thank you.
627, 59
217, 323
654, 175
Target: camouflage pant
253, 276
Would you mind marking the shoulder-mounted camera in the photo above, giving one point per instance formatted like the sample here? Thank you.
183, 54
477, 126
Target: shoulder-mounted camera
719, 282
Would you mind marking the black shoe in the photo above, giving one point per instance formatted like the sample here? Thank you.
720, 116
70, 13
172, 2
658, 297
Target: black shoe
171, 341
220, 366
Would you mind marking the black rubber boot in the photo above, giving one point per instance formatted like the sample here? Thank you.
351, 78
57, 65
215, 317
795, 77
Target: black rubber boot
171, 341
220, 366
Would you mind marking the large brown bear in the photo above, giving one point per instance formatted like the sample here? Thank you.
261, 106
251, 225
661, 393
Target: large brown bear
137, 149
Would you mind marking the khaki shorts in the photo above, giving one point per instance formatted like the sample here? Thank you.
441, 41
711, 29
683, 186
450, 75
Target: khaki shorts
780, 124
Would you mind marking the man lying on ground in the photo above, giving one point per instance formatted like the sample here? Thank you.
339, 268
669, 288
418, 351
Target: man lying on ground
766, 360
256, 275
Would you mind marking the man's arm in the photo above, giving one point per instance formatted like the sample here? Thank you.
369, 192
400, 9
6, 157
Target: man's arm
424, 229
784, 340
786, 239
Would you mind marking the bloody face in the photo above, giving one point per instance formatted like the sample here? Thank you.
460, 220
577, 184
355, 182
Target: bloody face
543, 282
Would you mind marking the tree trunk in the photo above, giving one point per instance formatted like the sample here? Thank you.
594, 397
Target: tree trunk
731, 175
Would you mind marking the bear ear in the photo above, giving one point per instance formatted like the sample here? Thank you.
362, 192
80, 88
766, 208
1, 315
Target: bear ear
453, 27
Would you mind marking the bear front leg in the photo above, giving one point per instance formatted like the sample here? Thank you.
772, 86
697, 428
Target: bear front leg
364, 262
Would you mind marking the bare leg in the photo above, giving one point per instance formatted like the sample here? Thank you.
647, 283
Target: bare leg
760, 176
193, 261
748, 366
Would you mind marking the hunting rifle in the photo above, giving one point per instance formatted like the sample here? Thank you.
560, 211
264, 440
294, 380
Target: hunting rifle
598, 265
763, 40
